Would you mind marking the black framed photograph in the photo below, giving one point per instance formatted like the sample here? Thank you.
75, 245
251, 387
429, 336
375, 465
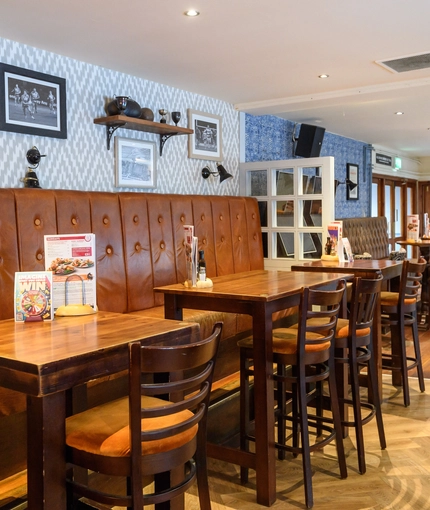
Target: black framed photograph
206, 141
351, 181
135, 163
32, 103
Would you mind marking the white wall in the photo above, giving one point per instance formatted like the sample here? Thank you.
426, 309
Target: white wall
82, 161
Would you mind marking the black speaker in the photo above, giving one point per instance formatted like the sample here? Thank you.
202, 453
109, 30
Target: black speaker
310, 141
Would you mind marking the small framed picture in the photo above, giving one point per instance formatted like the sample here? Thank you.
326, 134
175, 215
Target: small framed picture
351, 181
32, 103
135, 162
206, 141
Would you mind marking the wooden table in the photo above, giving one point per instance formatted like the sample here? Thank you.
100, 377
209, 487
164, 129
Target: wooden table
366, 269
259, 294
424, 251
44, 359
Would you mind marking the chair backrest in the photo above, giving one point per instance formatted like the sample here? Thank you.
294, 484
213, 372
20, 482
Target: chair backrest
363, 300
318, 314
180, 373
410, 284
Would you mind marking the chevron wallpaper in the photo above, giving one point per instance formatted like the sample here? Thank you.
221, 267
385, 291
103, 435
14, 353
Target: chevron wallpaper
82, 160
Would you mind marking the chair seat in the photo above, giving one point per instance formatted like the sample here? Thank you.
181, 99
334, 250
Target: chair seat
392, 298
104, 430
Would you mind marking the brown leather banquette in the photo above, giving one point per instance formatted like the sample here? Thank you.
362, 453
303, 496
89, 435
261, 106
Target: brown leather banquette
139, 245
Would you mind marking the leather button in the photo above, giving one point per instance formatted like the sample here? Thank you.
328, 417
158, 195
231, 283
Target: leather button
105, 221
237, 216
253, 216
138, 247
39, 256
182, 219
135, 219
222, 239
109, 250
74, 221
162, 246
220, 217
202, 217
240, 238
37, 222
160, 219
203, 241
255, 236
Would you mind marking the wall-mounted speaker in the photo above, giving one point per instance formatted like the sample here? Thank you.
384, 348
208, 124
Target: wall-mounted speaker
310, 141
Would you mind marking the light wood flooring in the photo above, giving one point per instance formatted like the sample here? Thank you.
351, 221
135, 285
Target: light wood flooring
397, 478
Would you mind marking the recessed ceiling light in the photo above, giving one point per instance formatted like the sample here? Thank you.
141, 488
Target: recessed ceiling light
398, 113
323, 76
191, 13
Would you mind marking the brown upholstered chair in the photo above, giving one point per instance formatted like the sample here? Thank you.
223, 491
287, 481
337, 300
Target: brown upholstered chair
399, 309
353, 348
309, 351
147, 434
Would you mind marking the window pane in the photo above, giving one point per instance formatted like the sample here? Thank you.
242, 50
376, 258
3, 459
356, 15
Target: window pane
375, 208
312, 213
262, 206
311, 181
285, 213
265, 245
312, 245
285, 245
258, 181
285, 182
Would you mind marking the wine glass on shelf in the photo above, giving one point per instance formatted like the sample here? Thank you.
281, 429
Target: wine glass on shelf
176, 117
121, 102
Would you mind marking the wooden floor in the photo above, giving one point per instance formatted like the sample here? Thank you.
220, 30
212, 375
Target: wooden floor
397, 478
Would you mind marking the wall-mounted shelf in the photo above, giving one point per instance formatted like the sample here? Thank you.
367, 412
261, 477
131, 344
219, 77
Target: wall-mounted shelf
165, 131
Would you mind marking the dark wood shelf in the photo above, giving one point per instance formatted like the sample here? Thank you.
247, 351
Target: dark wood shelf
165, 131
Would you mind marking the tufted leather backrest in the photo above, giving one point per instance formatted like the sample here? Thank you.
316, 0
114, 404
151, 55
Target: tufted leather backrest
367, 235
139, 238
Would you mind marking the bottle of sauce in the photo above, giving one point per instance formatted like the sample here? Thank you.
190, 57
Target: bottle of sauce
202, 266
328, 246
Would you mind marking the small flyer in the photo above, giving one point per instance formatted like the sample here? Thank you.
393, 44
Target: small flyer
33, 296
334, 230
413, 227
72, 260
349, 256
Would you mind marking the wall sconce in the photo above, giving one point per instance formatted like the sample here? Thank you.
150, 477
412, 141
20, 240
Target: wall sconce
351, 185
222, 172
33, 157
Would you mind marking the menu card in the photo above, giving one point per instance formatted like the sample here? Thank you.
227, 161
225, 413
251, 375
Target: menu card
72, 259
191, 255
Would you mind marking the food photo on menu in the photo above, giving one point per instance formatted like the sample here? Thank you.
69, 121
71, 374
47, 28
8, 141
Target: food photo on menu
71, 259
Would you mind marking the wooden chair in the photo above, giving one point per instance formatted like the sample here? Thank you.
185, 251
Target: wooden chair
146, 434
399, 309
354, 349
309, 351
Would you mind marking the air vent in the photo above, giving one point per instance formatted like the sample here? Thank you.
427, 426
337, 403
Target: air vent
405, 64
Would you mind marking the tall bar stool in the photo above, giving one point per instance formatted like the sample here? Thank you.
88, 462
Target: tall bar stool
399, 309
309, 351
353, 349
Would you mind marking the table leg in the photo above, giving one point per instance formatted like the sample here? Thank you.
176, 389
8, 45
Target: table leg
264, 404
46, 465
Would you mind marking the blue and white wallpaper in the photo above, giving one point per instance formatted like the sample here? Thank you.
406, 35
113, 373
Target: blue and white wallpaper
269, 138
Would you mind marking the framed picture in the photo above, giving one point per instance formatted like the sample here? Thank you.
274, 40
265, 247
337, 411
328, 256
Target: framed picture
32, 103
206, 141
135, 163
351, 181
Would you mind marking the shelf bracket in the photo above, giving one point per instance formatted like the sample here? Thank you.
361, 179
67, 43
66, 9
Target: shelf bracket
163, 139
110, 130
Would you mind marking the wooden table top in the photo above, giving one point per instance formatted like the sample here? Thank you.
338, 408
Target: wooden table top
259, 285
422, 243
357, 266
44, 357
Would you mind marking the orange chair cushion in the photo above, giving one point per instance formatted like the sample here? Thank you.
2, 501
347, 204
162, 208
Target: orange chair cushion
285, 341
392, 298
104, 429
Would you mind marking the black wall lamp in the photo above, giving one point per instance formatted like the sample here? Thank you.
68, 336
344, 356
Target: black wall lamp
351, 185
222, 172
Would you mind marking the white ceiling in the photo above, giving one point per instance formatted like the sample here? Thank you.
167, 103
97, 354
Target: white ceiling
264, 56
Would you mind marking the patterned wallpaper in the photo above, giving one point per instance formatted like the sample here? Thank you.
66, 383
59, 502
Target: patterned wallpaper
82, 161
270, 138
